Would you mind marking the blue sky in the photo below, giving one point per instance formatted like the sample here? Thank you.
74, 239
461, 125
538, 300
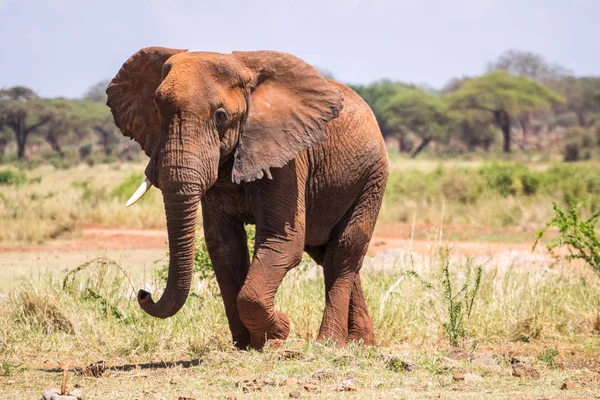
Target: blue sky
61, 47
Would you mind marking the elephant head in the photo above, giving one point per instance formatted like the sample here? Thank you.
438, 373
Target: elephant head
191, 111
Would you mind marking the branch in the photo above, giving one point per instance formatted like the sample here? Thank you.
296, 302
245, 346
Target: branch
41, 122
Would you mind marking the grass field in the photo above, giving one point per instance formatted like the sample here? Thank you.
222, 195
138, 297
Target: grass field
533, 325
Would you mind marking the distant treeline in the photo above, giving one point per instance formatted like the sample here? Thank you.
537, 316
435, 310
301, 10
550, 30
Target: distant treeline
521, 100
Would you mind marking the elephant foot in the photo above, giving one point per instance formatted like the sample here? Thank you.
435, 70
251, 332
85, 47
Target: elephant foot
277, 332
242, 341
364, 336
337, 341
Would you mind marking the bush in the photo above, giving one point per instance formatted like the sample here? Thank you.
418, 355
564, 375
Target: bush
462, 188
12, 178
510, 179
578, 235
85, 151
128, 186
571, 153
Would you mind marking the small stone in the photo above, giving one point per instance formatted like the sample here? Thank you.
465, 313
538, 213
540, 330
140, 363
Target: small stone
458, 377
77, 393
295, 394
309, 387
291, 382
347, 386
269, 381
568, 385
525, 371
10, 382
456, 353
54, 394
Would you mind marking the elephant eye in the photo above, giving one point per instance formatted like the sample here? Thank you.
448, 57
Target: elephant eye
220, 117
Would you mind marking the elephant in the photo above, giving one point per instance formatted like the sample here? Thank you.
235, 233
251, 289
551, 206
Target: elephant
256, 137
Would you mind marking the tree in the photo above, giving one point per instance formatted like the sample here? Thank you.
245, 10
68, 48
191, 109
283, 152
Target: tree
376, 95
60, 126
24, 113
504, 96
580, 93
531, 65
97, 92
416, 111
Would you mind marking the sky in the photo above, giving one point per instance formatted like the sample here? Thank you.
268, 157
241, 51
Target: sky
62, 47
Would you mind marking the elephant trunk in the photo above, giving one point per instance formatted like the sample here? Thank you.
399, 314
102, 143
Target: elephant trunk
181, 213
184, 171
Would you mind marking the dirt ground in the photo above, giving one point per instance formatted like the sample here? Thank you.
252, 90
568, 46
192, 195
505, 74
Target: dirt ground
138, 250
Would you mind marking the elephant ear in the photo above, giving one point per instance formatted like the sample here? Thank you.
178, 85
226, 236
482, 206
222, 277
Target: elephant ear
289, 105
131, 95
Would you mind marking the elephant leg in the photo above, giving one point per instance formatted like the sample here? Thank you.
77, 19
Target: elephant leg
273, 258
227, 246
360, 326
345, 316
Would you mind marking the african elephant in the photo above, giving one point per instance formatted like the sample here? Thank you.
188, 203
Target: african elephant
262, 138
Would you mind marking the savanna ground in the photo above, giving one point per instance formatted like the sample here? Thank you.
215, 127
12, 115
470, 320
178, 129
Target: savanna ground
532, 324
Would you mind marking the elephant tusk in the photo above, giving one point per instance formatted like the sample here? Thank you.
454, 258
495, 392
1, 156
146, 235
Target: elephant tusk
139, 193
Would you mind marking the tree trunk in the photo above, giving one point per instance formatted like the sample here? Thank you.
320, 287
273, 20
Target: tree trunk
421, 146
3, 144
525, 121
53, 142
581, 118
503, 121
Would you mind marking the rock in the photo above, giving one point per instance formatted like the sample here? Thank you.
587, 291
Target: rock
95, 370
77, 393
291, 382
309, 387
10, 382
347, 386
54, 394
295, 394
466, 378
456, 353
568, 385
269, 381
525, 371
397, 364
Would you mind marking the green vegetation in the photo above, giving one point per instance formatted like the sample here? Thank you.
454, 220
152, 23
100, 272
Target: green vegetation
579, 236
459, 301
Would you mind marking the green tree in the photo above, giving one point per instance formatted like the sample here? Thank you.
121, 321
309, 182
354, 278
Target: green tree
377, 95
416, 111
24, 113
504, 96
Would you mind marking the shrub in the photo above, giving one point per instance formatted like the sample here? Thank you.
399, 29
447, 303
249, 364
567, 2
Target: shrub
128, 186
12, 178
510, 179
459, 301
578, 235
571, 153
462, 188
85, 150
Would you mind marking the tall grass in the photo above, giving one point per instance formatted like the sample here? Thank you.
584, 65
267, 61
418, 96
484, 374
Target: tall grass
51, 203
92, 313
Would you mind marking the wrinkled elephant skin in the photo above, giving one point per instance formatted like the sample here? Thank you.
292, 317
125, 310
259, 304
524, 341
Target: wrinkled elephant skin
258, 138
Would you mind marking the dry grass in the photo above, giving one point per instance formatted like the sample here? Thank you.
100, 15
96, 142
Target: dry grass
54, 202
524, 307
